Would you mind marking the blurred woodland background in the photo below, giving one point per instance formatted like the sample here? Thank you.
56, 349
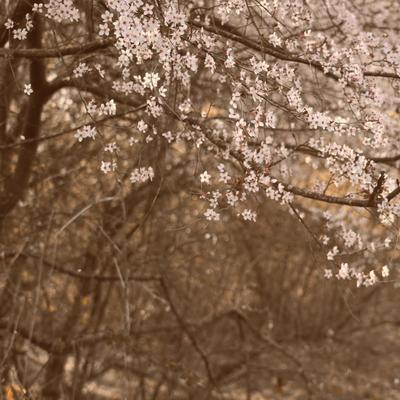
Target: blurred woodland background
110, 290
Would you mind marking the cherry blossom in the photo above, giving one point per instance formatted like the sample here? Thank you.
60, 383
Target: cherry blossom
205, 177
28, 89
86, 132
289, 102
142, 174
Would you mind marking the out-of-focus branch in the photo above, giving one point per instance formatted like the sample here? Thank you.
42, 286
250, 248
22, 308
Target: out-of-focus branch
77, 49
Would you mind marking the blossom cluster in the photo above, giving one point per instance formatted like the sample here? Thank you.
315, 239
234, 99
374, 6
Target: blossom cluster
86, 132
20, 33
60, 10
345, 272
142, 175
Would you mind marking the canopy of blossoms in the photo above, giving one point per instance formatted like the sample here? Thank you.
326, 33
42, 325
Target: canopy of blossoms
291, 101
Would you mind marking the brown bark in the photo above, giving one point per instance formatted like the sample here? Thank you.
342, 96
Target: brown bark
15, 185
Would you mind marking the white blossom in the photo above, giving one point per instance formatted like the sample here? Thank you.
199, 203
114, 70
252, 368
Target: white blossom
142, 175
205, 177
9, 24
385, 271
212, 215
28, 89
249, 215
81, 69
62, 10
86, 131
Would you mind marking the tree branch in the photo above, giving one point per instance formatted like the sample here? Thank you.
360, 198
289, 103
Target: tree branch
35, 53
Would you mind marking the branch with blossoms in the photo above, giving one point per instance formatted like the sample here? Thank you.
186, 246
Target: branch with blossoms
275, 51
267, 93
372, 202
